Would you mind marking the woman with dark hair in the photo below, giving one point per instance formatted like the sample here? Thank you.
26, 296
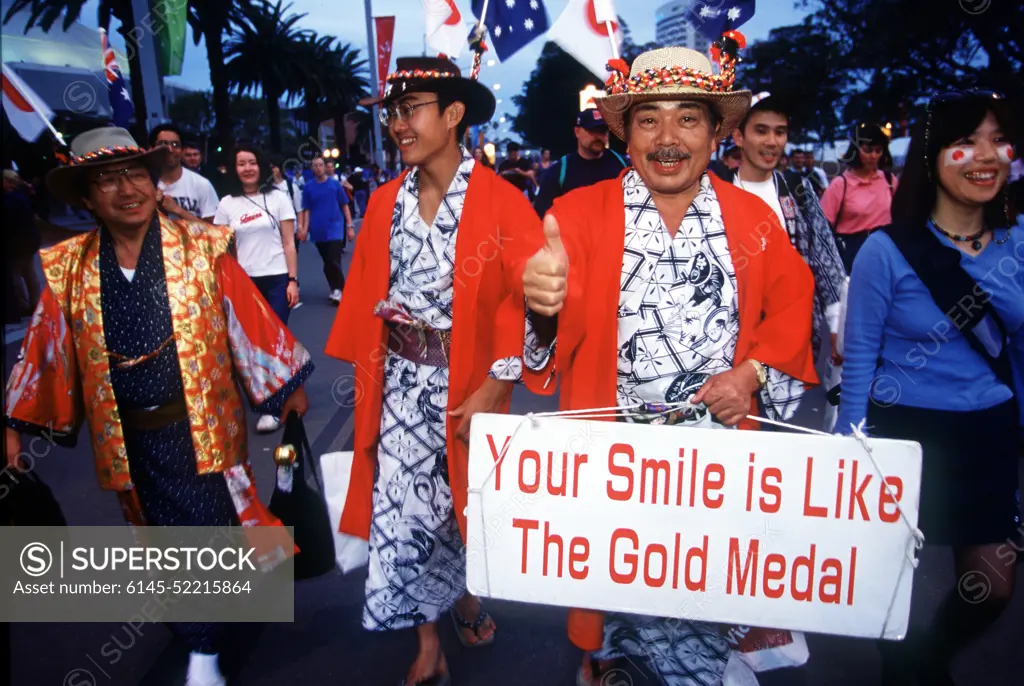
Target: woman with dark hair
935, 354
262, 219
859, 200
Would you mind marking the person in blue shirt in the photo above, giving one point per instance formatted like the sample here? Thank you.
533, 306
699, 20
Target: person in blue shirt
948, 378
328, 217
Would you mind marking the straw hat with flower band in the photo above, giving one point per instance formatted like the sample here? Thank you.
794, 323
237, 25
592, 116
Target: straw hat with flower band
677, 74
437, 75
94, 148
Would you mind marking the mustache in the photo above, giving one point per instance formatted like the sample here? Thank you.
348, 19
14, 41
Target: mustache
668, 155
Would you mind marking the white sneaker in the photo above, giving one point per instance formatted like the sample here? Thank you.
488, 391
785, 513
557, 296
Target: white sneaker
268, 424
335, 296
204, 671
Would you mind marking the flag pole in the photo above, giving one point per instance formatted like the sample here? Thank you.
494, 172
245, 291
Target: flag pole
378, 145
477, 44
35, 108
611, 38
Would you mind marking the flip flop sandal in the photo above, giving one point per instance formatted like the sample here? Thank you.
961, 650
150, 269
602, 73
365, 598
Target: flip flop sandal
436, 680
596, 670
461, 623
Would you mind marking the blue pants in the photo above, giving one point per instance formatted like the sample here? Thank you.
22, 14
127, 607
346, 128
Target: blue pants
361, 200
275, 289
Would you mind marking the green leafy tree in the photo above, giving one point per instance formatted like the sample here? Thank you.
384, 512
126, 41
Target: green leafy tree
193, 112
267, 54
801, 67
550, 101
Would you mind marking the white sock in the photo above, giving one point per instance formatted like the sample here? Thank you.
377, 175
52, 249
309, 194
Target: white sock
203, 669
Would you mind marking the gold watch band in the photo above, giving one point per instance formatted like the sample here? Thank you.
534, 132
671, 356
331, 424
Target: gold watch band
762, 373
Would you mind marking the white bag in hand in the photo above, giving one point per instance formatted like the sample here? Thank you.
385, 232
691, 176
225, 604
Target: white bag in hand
835, 372
351, 552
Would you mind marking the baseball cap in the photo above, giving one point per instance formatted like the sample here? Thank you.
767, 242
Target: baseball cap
591, 120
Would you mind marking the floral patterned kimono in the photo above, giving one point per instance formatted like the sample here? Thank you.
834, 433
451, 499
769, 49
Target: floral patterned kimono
182, 326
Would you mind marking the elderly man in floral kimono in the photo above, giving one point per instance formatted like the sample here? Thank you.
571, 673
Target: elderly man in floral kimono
144, 330
671, 294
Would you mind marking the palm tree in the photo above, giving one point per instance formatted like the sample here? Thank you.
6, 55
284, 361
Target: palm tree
210, 20
334, 80
267, 54
45, 14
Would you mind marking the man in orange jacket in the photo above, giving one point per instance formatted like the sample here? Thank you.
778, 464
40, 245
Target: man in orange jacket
696, 306
417, 321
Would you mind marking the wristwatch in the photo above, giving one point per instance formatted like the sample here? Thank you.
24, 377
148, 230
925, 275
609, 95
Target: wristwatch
295, 279
762, 373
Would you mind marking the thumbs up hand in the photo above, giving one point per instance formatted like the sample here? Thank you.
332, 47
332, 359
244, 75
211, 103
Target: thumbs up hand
544, 281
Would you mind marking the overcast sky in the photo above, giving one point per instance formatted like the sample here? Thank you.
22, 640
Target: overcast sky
346, 19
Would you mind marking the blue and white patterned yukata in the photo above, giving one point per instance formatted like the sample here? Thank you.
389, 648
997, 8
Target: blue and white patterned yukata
417, 564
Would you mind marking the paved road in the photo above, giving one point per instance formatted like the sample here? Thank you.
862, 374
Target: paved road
325, 645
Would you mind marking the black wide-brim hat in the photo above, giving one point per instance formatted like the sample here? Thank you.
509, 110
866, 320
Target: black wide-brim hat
437, 75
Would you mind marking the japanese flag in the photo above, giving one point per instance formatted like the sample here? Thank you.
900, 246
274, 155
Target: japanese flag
582, 32
445, 31
18, 99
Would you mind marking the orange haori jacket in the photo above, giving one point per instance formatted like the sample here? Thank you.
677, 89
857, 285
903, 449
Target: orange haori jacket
495, 220
775, 294
226, 336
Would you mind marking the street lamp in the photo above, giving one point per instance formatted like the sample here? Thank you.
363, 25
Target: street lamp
497, 86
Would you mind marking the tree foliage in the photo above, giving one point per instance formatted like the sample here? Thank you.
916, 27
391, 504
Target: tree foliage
801, 67
550, 101
880, 60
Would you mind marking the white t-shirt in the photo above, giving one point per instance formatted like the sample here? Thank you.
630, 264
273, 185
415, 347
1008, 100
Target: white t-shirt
766, 191
296, 193
255, 221
193, 192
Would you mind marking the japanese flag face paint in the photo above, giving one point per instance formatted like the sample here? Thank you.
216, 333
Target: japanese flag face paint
1005, 152
959, 155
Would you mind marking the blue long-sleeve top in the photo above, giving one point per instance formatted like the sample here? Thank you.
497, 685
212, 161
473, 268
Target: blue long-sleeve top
900, 348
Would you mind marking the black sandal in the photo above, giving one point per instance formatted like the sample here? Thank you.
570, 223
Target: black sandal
461, 623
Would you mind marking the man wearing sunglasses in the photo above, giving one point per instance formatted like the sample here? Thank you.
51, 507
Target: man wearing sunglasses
184, 194
417, 321
148, 330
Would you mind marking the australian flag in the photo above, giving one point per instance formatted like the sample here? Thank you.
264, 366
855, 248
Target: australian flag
120, 100
712, 18
513, 23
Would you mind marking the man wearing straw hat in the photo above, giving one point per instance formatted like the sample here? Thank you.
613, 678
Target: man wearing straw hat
145, 330
696, 308
429, 271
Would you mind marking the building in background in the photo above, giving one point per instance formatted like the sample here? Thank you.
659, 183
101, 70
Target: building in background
674, 26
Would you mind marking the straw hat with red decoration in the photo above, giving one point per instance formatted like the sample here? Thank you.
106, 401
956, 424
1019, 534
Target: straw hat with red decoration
677, 74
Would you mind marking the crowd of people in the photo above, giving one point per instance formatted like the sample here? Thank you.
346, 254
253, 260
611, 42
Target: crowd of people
619, 285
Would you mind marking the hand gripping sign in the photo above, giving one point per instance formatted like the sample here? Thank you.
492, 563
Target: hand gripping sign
751, 528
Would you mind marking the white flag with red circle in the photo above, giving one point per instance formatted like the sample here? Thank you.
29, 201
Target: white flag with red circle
18, 99
445, 31
583, 32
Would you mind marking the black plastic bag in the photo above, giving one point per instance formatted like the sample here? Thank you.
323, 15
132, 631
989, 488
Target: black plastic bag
26, 501
299, 505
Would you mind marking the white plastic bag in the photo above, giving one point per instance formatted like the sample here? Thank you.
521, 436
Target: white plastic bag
351, 552
761, 650
835, 372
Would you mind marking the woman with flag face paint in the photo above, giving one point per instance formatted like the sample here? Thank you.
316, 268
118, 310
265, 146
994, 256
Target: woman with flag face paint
935, 354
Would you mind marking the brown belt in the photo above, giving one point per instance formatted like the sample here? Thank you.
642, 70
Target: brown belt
149, 420
421, 346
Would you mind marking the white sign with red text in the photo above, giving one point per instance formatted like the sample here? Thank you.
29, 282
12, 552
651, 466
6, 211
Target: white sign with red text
753, 528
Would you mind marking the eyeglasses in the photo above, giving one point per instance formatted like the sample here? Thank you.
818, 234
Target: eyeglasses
169, 144
402, 112
108, 182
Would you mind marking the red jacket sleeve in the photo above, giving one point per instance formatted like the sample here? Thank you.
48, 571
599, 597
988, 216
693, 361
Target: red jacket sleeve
44, 390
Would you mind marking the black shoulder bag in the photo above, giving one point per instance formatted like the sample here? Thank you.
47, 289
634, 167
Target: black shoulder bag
301, 506
939, 268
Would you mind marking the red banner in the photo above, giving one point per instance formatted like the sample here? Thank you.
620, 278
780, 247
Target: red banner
385, 34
